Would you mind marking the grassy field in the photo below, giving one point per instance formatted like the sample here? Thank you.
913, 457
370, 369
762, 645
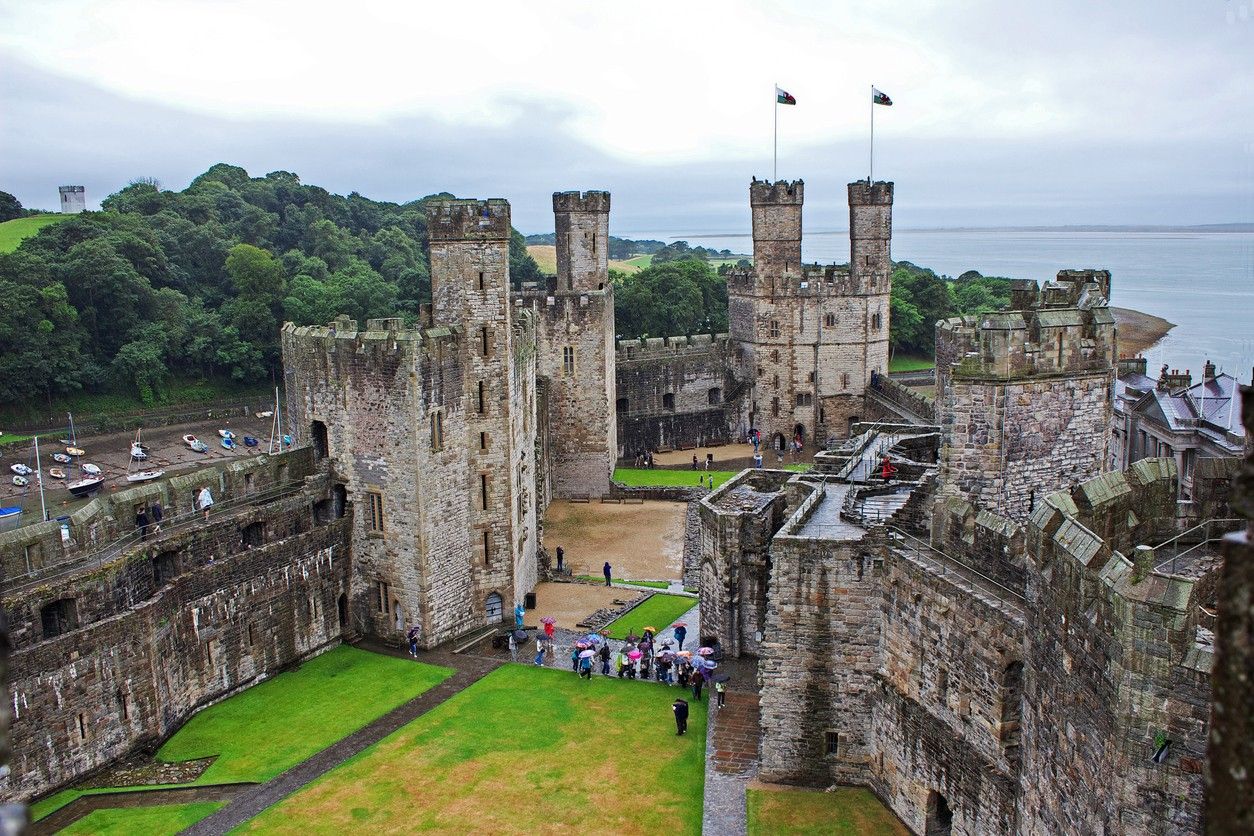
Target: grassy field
641, 477
523, 750
906, 363
659, 611
12, 232
846, 812
270, 727
158, 820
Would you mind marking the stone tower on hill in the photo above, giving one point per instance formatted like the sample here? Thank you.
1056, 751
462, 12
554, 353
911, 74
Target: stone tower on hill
810, 336
73, 199
575, 348
432, 432
1024, 395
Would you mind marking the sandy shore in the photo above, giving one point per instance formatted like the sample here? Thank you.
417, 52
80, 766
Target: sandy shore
1138, 331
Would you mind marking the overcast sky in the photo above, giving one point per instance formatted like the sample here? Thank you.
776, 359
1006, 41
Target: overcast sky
1051, 112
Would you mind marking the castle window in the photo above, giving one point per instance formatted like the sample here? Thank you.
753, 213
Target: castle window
568, 360
82, 727
164, 568
487, 548
482, 283
620, 405
483, 341
374, 511
830, 320
831, 743
483, 406
483, 441
773, 331
1011, 709
254, 535
844, 380
122, 701
805, 399
942, 686
715, 396
813, 376
668, 401
318, 431
875, 322
940, 818
437, 431
483, 491
382, 589
775, 381
775, 356
775, 407
59, 617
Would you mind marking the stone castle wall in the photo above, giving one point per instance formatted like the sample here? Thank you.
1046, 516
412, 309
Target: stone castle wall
162, 629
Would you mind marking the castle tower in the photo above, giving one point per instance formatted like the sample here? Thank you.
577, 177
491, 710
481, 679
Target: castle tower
73, 199
871, 265
776, 209
576, 348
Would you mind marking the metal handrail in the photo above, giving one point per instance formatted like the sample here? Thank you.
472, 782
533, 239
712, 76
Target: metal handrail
169, 525
934, 552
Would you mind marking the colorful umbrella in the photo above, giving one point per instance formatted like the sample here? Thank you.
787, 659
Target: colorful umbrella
587, 654
593, 638
548, 619
684, 653
680, 624
705, 651
634, 655
520, 634
581, 645
605, 632
650, 630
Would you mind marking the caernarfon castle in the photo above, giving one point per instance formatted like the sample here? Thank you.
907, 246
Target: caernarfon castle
1002, 638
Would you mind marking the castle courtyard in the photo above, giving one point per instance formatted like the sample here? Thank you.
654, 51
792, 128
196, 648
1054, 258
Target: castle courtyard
640, 541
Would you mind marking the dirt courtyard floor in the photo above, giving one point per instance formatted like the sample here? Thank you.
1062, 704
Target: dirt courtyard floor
727, 457
642, 542
571, 603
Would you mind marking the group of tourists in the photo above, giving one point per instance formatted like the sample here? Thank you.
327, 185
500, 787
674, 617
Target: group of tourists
644, 459
149, 517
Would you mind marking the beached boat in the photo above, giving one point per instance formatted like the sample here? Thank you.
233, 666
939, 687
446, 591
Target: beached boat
75, 451
227, 434
56, 472
139, 451
20, 469
147, 475
228, 442
144, 475
60, 458
21, 481
10, 513
91, 469
86, 485
250, 441
195, 443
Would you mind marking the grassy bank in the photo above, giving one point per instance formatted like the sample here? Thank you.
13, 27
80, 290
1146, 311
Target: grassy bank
848, 811
908, 363
659, 611
158, 820
13, 232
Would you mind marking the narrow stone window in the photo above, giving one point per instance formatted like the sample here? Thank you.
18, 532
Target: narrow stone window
773, 331
568, 360
775, 381
374, 511
483, 441
482, 282
252, 639
875, 322
82, 727
484, 348
775, 407
844, 381
383, 596
942, 686
483, 491
321, 445
830, 320
668, 401
813, 376
1011, 709
122, 702
483, 405
831, 743
437, 431
775, 356
487, 548
209, 652
715, 396
620, 405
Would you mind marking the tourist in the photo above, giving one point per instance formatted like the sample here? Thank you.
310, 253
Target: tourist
513, 648
574, 659
540, 650
698, 681
412, 635
561, 560
606, 570
664, 669
605, 658
585, 667
709, 461
720, 688
548, 634
681, 633
680, 707
157, 513
649, 460
518, 616
694, 461
141, 522
887, 471
644, 667
684, 670
204, 501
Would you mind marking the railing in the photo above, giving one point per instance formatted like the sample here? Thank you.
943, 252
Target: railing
921, 549
169, 525
1189, 541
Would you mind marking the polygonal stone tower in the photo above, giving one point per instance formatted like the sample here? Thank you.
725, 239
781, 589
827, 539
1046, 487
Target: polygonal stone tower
576, 348
73, 199
776, 209
871, 266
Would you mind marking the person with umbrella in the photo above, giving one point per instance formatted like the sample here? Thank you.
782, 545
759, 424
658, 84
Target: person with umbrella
681, 633
664, 667
574, 657
720, 688
632, 657
549, 626
680, 707
585, 663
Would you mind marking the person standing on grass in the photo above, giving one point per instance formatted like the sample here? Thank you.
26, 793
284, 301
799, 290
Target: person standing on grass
720, 688
539, 651
606, 570
680, 707
204, 501
698, 680
412, 636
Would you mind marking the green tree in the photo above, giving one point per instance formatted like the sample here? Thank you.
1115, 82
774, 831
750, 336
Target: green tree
255, 274
10, 207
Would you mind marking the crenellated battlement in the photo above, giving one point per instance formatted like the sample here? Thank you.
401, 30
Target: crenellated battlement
650, 348
879, 193
779, 193
574, 201
469, 220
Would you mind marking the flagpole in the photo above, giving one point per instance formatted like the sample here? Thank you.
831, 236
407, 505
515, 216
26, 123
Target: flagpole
871, 176
775, 144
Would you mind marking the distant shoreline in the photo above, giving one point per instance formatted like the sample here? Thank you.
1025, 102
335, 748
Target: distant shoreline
1138, 332
1196, 229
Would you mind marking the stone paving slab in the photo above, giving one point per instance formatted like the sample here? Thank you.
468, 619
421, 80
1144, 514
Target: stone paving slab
248, 804
731, 763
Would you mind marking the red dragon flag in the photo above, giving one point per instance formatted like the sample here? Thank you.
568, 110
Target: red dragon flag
878, 98
784, 97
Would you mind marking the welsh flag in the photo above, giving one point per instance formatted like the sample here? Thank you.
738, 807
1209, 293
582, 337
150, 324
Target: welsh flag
880, 98
784, 97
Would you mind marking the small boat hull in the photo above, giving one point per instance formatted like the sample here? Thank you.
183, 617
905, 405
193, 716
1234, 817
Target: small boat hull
249, 441
199, 446
75, 451
137, 453
56, 472
20, 469
144, 475
83, 487
21, 481
61, 458
11, 512
91, 470
228, 443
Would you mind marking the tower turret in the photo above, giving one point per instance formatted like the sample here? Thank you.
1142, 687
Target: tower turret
776, 211
583, 239
871, 265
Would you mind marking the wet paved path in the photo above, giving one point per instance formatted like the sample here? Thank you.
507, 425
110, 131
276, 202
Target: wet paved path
247, 804
731, 752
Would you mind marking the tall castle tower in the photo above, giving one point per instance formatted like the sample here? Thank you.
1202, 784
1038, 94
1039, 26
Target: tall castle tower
810, 336
432, 437
73, 199
575, 321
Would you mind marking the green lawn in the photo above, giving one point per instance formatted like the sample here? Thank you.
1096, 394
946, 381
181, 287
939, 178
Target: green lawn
906, 363
849, 811
12, 232
659, 611
270, 727
523, 750
640, 477
158, 820
601, 579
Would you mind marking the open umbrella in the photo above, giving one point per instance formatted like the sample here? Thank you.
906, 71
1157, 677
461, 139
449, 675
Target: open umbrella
723, 677
605, 632
705, 651
651, 630
680, 624
581, 645
593, 638
587, 654
634, 655
708, 665
548, 619
684, 653
520, 634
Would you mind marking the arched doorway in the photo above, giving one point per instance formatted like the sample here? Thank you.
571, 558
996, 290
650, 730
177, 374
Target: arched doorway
318, 432
779, 443
494, 609
342, 607
799, 435
940, 818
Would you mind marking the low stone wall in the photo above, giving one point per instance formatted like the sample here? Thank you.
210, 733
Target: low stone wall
914, 403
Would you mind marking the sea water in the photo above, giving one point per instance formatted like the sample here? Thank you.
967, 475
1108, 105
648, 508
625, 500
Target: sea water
1203, 282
